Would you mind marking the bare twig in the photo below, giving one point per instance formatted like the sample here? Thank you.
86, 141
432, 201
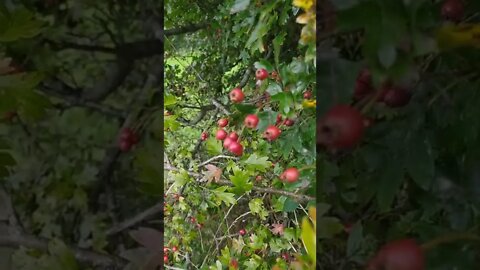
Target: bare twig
155, 209
215, 158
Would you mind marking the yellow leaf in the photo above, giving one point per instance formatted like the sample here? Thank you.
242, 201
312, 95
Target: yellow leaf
309, 237
304, 4
457, 36
304, 18
309, 103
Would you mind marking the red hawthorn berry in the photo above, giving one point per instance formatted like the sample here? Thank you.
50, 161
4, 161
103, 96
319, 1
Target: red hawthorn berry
235, 148
221, 134
289, 122
204, 136
453, 10
261, 74
251, 121
279, 119
125, 145
396, 97
237, 95
341, 127
222, 122
242, 232
165, 259
233, 135
290, 175
174, 248
227, 142
193, 220
307, 94
272, 133
403, 254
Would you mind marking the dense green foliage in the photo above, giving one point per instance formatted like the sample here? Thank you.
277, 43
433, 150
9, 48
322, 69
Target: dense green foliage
211, 194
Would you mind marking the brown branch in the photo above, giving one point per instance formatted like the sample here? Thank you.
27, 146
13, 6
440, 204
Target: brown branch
299, 197
185, 29
11, 237
157, 208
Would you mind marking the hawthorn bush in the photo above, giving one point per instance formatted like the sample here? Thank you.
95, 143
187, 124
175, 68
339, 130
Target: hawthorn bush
398, 131
240, 146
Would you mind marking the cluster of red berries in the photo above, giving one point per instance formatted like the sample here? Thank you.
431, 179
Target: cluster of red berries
204, 136
128, 138
165, 253
287, 122
393, 96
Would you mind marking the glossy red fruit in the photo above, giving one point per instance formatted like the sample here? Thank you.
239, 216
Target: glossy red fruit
307, 95
125, 134
403, 254
193, 220
235, 148
222, 122
272, 133
165, 250
165, 259
279, 119
261, 74
251, 121
242, 232
290, 175
227, 142
396, 97
341, 127
453, 10
221, 134
233, 135
204, 136
125, 145
236, 95
289, 122
174, 248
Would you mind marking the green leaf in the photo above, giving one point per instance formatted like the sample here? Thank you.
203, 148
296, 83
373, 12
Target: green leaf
225, 197
285, 100
240, 181
266, 118
239, 5
390, 180
264, 64
387, 55
214, 146
169, 100
274, 88
355, 240
256, 207
290, 205
254, 162
328, 227
21, 24
277, 45
63, 254
419, 161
